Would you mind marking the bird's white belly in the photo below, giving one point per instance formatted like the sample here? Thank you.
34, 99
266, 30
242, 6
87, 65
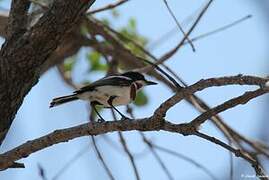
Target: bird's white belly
103, 93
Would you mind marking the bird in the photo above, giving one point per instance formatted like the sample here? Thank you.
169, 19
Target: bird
108, 92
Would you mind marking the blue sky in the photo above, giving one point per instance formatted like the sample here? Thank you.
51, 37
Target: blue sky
241, 49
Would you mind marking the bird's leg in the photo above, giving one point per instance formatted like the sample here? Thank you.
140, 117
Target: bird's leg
98, 114
109, 101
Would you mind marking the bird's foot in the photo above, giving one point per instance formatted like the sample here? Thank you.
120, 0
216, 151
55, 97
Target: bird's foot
101, 120
124, 118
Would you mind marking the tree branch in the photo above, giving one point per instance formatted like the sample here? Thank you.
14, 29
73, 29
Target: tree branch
147, 124
170, 53
18, 18
107, 7
211, 82
3, 23
100, 157
26, 54
95, 128
129, 154
178, 25
237, 152
58, 136
185, 158
243, 99
151, 146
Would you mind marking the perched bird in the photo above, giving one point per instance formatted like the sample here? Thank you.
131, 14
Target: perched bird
109, 91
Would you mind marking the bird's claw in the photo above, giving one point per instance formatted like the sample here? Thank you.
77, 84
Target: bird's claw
124, 118
100, 120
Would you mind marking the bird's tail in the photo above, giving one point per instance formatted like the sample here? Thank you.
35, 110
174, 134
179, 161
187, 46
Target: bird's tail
62, 100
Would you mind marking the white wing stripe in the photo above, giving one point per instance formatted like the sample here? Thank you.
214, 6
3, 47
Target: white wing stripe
122, 77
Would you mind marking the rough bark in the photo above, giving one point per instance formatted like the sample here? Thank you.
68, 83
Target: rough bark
22, 57
3, 23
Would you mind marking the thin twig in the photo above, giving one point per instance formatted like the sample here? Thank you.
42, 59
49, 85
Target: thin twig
100, 157
238, 153
165, 36
185, 158
205, 83
70, 163
243, 99
231, 163
258, 147
130, 156
97, 150
173, 51
170, 53
107, 7
113, 144
157, 157
162, 38
178, 25
220, 28
41, 172
152, 150
126, 149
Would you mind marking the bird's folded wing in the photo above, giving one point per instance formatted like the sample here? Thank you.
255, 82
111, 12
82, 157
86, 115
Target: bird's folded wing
107, 81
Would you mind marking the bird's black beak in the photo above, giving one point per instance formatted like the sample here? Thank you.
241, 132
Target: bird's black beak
148, 83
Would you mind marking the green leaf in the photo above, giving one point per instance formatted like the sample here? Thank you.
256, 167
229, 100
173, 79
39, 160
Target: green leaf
130, 32
69, 63
95, 56
141, 99
132, 24
95, 62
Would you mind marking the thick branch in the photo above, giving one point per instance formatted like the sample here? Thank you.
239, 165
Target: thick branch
17, 22
3, 23
64, 135
211, 82
69, 46
243, 99
146, 124
22, 58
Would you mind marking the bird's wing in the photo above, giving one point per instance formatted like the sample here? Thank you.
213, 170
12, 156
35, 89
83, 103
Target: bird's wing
107, 81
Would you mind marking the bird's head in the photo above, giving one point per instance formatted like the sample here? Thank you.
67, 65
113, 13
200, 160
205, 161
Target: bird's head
139, 79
